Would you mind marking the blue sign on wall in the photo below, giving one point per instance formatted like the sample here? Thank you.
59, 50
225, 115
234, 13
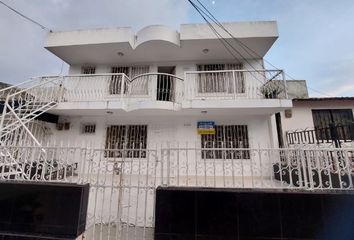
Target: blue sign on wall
206, 127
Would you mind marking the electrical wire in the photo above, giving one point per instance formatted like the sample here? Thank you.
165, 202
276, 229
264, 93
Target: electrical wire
247, 49
25, 17
226, 43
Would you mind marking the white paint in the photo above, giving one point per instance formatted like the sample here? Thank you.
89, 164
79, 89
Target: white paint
302, 113
159, 43
165, 129
157, 33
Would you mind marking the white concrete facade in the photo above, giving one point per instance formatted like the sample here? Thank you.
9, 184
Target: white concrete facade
162, 129
159, 43
159, 46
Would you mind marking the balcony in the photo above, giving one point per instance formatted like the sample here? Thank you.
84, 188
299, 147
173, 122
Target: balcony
261, 91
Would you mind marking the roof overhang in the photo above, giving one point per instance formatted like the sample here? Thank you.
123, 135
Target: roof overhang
160, 43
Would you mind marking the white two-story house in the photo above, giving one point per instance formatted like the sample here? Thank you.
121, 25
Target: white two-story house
158, 107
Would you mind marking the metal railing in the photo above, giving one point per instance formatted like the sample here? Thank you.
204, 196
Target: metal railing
25, 102
235, 84
225, 84
119, 87
329, 135
122, 189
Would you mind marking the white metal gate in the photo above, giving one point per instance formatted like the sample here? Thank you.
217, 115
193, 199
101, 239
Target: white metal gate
122, 189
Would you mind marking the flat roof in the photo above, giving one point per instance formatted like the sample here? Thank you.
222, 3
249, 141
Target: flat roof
158, 43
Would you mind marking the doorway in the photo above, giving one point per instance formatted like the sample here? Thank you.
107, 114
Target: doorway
165, 84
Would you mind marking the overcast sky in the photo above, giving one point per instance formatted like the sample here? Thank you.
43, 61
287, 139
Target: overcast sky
316, 36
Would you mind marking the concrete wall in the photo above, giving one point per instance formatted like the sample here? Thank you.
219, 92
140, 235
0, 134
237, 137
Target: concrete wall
302, 112
172, 129
181, 67
297, 89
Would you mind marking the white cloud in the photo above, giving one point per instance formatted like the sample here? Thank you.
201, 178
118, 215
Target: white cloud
21, 43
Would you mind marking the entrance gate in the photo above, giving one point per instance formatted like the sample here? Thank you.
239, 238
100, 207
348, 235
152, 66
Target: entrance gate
123, 189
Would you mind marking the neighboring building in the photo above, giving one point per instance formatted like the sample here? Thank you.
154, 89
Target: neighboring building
297, 89
155, 108
326, 122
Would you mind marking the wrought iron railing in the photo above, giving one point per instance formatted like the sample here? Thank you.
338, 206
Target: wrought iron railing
329, 135
226, 84
119, 87
25, 102
235, 84
122, 189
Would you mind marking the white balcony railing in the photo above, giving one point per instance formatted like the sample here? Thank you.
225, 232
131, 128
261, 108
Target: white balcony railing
226, 84
122, 189
119, 87
235, 84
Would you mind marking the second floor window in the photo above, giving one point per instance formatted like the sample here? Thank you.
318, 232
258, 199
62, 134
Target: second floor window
231, 137
138, 86
219, 80
88, 70
128, 141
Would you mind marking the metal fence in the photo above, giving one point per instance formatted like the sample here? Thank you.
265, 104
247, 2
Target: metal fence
122, 189
328, 135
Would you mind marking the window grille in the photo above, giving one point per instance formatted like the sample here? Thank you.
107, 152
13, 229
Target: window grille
88, 70
126, 141
116, 81
88, 128
220, 82
340, 119
226, 136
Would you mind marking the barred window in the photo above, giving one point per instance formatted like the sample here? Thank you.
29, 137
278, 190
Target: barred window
116, 80
88, 128
88, 70
126, 141
342, 120
226, 136
220, 82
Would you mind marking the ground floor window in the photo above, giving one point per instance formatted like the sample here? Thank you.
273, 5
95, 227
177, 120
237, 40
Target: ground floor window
226, 137
126, 141
333, 123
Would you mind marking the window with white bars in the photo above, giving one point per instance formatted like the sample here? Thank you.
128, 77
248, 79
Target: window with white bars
88, 70
233, 137
126, 141
88, 128
221, 82
131, 72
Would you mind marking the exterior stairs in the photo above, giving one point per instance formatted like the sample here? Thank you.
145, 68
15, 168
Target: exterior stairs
23, 115
22, 104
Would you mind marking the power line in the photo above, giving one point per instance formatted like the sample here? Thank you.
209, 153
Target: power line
225, 42
25, 17
243, 46
246, 48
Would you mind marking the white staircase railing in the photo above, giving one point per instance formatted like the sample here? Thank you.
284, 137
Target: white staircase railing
25, 102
